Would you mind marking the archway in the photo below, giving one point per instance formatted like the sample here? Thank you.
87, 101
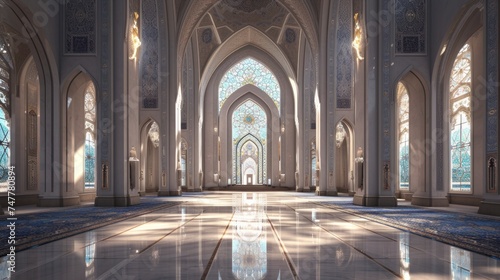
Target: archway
410, 130
248, 106
81, 135
150, 157
344, 158
249, 121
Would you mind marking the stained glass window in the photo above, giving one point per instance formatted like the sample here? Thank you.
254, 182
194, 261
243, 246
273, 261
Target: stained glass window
249, 122
460, 121
90, 141
183, 171
184, 149
4, 149
404, 136
5, 69
249, 71
313, 171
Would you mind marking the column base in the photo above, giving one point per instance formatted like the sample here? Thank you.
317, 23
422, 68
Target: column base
359, 200
169, 193
58, 202
489, 208
387, 201
376, 201
326, 193
133, 200
430, 201
110, 201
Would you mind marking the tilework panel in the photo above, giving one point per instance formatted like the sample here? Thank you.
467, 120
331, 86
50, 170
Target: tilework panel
410, 18
344, 55
385, 115
492, 79
80, 27
149, 57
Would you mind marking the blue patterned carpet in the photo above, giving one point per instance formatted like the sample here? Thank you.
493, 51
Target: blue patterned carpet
39, 228
478, 233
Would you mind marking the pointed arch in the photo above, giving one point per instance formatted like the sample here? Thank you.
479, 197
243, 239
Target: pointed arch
80, 131
249, 43
6, 69
403, 135
258, 156
411, 124
344, 156
284, 119
184, 162
249, 119
461, 124
194, 11
149, 154
468, 23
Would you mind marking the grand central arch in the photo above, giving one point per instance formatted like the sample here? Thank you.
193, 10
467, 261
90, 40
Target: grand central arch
248, 103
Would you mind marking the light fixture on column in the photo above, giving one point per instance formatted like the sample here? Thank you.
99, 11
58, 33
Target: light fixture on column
359, 155
357, 42
340, 135
154, 134
135, 41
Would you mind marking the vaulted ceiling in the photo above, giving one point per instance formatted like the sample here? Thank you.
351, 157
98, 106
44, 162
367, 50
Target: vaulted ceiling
285, 22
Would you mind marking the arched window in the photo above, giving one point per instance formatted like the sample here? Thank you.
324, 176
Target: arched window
461, 121
184, 150
404, 136
90, 139
313, 171
245, 72
5, 71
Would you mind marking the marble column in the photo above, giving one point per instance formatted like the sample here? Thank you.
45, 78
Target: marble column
325, 102
368, 195
116, 191
170, 112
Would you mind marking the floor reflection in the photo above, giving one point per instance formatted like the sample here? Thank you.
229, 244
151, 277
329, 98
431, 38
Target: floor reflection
4, 268
460, 263
249, 240
404, 253
90, 254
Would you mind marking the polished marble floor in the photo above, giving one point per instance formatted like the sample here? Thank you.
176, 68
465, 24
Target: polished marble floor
273, 235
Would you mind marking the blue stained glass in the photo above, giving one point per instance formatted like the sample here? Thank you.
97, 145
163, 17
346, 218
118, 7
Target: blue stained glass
89, 160
90, 141
249, 71
461, 154
313, 171
4, 147
404, 136
183, 171
460, 117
